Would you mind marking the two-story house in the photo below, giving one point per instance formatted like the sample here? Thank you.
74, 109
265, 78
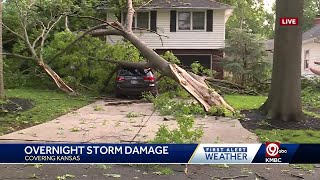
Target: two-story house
194, 29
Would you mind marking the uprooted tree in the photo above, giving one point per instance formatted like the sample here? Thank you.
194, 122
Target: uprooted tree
35, 41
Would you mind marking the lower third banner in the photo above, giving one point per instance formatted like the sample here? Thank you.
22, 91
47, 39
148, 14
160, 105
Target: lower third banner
271, 152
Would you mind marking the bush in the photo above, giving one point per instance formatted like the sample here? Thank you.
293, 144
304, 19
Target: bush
167, 84
183, 134
310, 83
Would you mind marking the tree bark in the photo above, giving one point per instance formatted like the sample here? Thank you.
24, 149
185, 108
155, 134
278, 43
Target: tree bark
2, 93
56, 78
284, 100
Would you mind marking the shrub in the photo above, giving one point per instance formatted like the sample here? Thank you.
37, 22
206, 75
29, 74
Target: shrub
185, 133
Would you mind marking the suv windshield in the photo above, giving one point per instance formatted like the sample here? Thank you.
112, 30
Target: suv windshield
135, 72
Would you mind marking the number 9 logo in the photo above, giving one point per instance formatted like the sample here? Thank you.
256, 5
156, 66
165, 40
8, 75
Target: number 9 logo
272, 149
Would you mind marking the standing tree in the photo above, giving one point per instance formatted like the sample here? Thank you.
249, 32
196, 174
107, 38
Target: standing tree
1, 59
284, 101
246, 58
250, 15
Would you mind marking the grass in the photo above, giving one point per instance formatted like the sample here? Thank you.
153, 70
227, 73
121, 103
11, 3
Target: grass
240, 102
47, 106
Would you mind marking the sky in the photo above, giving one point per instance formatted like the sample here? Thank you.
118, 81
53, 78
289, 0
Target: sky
268, 4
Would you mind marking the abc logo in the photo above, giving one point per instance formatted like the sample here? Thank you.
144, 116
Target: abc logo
273, 149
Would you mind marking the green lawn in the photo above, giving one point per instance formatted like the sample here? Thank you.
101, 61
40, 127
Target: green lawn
47, 106
241, 102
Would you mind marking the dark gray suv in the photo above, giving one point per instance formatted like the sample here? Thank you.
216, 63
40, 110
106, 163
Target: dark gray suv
133, 82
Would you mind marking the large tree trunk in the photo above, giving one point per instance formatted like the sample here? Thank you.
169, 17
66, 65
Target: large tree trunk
284, 101
2, 95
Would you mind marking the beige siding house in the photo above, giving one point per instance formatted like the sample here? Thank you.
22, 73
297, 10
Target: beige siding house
311, 49
194, 30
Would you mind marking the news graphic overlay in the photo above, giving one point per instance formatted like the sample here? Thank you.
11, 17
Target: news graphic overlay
96, 153
289, 21
273, 152
268, 153
225, 153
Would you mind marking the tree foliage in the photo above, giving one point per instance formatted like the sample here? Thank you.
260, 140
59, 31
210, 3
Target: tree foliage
246, 58
311, 9
250, 15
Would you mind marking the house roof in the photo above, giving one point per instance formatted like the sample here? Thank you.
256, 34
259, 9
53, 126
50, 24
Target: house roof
176, 4
314, 32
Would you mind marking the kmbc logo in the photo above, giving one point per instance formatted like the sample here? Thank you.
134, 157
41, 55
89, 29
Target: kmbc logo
272, 149
273, 152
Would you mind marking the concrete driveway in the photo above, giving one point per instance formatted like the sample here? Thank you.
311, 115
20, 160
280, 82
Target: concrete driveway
124, 121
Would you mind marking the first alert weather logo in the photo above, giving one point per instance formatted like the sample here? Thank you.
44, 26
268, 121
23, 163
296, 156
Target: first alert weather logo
225, 153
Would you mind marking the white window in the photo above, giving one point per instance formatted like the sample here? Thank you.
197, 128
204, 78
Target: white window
306, 59
140, 20
191, 20
198, 20
184, 22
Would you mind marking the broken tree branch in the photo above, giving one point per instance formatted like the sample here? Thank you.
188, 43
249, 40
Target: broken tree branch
76, 40
142, 65
88, 17
13, 32
18, 56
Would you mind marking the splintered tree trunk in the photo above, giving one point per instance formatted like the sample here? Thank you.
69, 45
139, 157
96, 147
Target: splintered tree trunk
284, 101
2, 95
58, 81
198, 89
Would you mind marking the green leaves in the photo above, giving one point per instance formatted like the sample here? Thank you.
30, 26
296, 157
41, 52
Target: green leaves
250, 15
246, 58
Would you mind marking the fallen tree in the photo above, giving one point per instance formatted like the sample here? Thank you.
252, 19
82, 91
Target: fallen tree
197, 88
34, 41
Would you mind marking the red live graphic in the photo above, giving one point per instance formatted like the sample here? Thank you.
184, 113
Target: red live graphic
289, 21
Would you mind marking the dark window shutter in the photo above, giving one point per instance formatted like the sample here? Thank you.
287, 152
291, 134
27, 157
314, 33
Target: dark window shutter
173, 21
153, 23
119, 17
209, 20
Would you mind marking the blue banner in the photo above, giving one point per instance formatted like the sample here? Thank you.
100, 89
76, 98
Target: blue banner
96, 153
269, 153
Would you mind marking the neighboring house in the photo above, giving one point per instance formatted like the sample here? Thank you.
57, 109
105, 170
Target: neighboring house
195, 29
310, 49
